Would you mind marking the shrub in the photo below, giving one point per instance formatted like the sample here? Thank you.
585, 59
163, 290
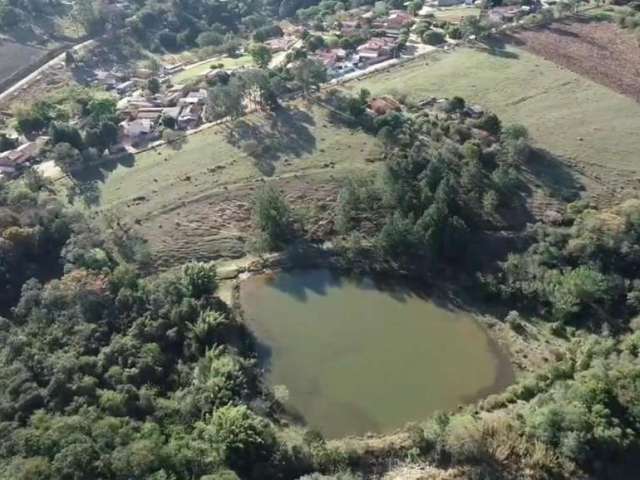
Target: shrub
432, 37
241, 437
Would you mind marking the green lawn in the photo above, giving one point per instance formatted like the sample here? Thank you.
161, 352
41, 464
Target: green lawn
200, 70
565, 113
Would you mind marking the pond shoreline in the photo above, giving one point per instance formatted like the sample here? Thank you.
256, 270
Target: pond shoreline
499, 334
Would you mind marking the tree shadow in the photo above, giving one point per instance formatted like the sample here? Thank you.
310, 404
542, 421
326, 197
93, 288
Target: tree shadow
556, 178
87, 180
497, 46
285, 133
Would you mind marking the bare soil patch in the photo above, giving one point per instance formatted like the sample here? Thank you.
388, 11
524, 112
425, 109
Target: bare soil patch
600, 51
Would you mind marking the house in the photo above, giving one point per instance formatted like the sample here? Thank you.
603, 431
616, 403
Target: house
172, 112
190, 117
108, 80
136, 129
125, 87
198, 97
24, 155
377, 50
383, 105
171, 69
397, 21
335, 61
505, 14
153, 114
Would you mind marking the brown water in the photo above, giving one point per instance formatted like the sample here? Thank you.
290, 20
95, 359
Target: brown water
358, 357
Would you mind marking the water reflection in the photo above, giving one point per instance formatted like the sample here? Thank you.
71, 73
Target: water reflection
361, 354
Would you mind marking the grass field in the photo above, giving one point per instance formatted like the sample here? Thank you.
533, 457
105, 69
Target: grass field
200, 70
195, 202
565, 113
455, 14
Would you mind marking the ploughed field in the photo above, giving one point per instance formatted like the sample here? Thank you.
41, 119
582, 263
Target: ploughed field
354, 355
16, 56
601, 51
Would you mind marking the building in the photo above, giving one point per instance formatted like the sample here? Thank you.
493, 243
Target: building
190, 117
126, 87
397, 21
136, 129
23, 156
377, 50
197, 97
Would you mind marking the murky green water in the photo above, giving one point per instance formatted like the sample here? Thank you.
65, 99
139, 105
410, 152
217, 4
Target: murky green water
357, 357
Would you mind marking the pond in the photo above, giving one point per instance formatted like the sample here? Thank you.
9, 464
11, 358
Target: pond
356, 356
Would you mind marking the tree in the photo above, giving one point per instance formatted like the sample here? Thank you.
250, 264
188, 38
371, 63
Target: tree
210, 39
69, 59
261, 54
101, 110
199, 279
66, 157
153, 85
309, 74
242, 438
226, 100
272, 216
65, 133
433, 37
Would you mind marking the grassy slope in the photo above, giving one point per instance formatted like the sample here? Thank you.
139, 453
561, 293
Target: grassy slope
193, 202
454, 14
200, 70
565, 113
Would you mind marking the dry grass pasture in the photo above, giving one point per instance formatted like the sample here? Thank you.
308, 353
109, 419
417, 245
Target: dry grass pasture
195, 201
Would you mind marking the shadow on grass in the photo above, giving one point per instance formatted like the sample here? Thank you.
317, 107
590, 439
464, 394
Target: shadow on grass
86, 182
555, 177
286, 132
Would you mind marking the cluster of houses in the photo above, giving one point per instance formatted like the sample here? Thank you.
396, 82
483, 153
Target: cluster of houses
178, 106
382, 42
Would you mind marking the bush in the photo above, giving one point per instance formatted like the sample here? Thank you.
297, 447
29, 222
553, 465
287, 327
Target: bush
273, 217
432, 37
241, 437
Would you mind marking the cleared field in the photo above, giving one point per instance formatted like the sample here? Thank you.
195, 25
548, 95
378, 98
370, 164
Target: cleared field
456, 14
200, 70
15, 56
195, 202
566, 114
601, 51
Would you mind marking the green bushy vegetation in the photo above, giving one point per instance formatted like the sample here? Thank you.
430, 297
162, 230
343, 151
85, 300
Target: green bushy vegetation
584, 268
445, 177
